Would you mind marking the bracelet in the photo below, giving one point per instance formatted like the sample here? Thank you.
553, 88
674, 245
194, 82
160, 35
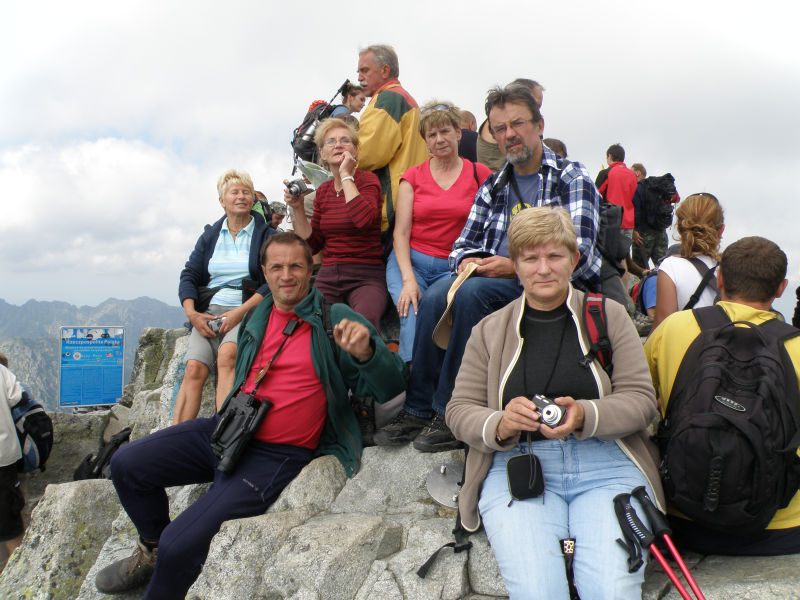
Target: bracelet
349, 178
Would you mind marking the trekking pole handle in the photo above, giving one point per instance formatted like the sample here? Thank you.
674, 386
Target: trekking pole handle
645, 537
657, 520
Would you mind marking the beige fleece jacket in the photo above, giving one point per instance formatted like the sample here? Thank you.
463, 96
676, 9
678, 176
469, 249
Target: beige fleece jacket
626, 406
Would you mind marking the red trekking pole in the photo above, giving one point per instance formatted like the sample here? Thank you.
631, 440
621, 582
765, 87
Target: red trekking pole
661, 529
638, 536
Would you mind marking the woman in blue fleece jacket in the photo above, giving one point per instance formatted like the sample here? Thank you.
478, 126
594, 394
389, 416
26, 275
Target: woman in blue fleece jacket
221, 281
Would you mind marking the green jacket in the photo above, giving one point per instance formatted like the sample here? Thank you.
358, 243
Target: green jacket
381, 377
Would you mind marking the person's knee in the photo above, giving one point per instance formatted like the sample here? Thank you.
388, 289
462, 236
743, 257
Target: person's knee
195, 371
122, 462
435, 298
226, 357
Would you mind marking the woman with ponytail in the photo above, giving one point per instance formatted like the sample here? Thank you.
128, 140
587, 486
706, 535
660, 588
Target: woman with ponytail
680, 282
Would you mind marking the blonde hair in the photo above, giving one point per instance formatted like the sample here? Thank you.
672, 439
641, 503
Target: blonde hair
539, 225
231, 177
433, 115
333, 123
699, 220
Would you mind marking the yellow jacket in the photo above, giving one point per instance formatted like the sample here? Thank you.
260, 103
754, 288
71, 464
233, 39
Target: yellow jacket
389, 142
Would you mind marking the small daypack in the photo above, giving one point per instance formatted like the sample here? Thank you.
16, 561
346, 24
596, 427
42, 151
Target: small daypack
730, 435
34, 430
98, 465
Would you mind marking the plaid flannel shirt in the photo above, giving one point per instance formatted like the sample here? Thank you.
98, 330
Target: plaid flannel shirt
563, 183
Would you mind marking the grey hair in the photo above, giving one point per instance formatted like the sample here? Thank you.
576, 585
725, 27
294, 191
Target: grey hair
384, 55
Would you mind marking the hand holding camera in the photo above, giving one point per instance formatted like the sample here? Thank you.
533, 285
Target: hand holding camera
215, 324
563, 416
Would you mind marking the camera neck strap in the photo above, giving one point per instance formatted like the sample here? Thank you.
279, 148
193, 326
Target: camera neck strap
290, 328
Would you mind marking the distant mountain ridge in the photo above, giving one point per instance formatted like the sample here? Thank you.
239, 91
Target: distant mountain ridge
29, 334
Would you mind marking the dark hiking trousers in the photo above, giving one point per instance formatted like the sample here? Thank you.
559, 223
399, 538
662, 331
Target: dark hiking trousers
181, 455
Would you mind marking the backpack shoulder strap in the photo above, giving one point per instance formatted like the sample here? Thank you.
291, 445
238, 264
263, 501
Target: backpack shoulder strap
475, 173
594, 322
710, 317
707, 274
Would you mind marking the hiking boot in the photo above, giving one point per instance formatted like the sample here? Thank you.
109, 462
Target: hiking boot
436, 437
400, 430
364, 408
128, 573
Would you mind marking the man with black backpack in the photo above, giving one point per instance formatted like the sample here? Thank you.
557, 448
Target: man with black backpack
726, 376
653, 202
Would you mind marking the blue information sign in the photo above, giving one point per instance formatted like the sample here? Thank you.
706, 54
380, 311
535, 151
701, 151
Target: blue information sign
92, 366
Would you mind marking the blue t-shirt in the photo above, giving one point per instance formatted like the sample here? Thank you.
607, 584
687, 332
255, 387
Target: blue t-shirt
528, 186
648, 292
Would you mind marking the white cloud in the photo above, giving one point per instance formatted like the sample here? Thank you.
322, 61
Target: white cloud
119, 117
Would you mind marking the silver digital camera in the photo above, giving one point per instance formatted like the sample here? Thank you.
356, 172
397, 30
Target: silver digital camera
552, 414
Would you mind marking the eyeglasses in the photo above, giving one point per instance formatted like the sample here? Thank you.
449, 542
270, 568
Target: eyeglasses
428, 109
345, 141
516, 125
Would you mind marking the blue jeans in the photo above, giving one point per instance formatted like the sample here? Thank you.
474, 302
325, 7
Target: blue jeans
433, 374
428, 270
581, 479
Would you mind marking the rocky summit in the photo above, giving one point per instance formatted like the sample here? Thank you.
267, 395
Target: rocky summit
327, 537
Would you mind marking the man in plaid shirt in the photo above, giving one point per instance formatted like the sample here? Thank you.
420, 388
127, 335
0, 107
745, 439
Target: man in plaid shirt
533, 176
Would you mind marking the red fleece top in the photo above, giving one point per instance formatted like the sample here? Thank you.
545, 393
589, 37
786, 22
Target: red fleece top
291, 384
619, 188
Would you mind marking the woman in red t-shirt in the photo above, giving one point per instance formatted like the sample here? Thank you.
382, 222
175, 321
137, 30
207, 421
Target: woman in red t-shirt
346, 225
433, 202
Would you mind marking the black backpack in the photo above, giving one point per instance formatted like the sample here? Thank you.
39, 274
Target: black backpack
98, 465
303, 137
657, 204
730, 435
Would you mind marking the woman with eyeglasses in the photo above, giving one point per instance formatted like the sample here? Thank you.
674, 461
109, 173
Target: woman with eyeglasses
433, 202
689, 280
345, 225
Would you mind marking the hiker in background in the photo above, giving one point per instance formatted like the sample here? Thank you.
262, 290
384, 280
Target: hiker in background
353, 101
652, 205
556, 146
617, 185
468, 144
687, 280
221, 281
438, 194
389, 129
11, 498
278, 210
345, 225
751, 275
306, 378
599, 448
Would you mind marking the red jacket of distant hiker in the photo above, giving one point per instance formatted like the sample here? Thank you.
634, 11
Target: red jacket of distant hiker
617, 184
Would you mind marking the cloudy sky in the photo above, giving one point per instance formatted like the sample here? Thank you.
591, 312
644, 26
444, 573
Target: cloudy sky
116, 118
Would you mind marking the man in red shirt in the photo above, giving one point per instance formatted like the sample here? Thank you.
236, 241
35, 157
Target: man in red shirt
285, 343
617, 185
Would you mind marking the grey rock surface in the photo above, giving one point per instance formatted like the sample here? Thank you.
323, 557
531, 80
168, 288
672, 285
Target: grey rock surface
68, 528
326, 536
